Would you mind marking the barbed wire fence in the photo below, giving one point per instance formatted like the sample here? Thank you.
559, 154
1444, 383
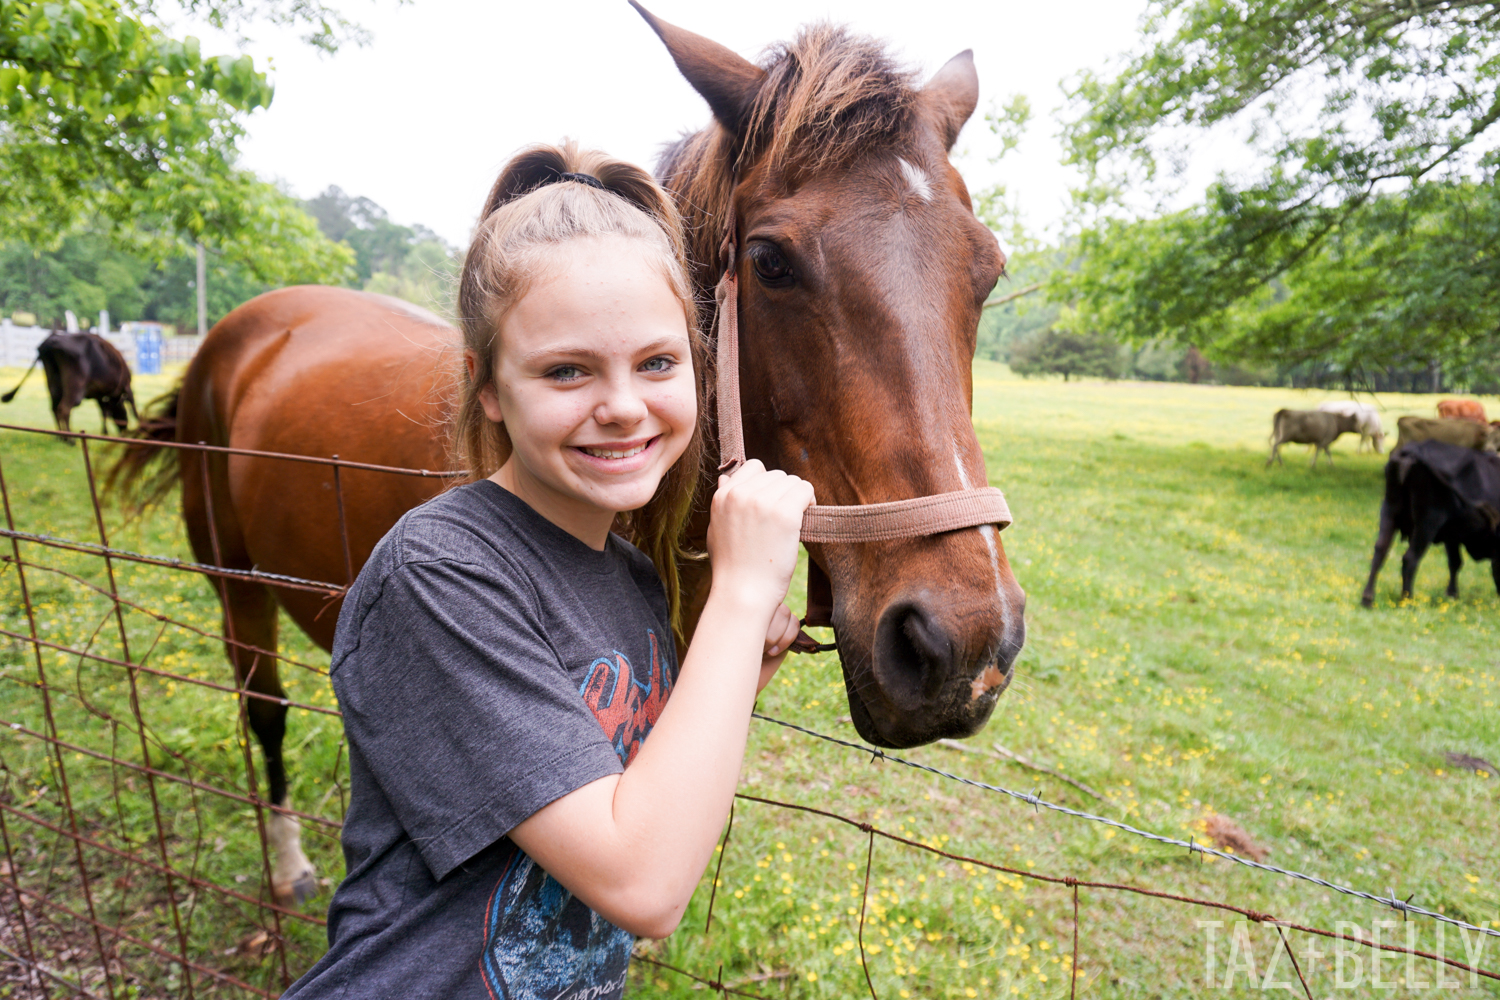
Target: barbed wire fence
117, 813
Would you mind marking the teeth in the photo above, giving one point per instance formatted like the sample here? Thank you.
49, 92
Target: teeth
607, 453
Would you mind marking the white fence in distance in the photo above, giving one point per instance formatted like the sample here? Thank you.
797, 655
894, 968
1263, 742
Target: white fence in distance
18, 346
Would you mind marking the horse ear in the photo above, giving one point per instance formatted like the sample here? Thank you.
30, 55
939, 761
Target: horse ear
954, 93
725, 79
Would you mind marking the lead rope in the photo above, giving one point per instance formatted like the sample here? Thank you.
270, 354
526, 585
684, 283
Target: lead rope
851, 524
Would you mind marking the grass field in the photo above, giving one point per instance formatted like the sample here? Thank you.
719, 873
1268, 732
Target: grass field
1195, 648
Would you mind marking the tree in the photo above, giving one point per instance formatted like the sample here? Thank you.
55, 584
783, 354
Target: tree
410, 262
1362, 230
108, 123
1067, 353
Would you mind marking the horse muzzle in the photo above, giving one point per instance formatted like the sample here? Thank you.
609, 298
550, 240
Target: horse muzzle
930, 663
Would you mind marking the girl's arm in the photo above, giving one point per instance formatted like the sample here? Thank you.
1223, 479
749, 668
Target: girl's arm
634, 845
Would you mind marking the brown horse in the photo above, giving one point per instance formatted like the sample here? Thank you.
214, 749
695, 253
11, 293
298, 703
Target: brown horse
863, 272
309, 371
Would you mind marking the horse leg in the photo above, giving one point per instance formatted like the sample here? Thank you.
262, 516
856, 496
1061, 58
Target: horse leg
250, 617
1455, 563
1383, 539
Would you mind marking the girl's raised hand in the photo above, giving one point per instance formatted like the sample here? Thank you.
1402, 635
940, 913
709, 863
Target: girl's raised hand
753, 533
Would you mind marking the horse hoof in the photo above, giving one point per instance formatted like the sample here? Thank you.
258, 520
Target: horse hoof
1367, 602
297, 892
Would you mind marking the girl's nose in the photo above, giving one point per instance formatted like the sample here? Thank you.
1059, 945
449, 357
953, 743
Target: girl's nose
621, 404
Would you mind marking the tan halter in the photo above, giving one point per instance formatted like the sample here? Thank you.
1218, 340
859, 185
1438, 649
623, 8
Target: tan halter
873, 522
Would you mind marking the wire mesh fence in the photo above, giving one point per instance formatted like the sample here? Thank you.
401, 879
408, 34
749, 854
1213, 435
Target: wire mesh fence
139, 838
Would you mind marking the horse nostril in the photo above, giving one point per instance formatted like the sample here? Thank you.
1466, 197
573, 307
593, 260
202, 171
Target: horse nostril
913, 655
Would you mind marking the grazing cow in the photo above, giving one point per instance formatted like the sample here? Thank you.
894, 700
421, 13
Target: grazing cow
1370, 428
83, 366
1438, 492
1312, 427
1461, 433
1462, 409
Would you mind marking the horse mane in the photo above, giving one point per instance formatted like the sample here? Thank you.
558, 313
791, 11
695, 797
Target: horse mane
828, 95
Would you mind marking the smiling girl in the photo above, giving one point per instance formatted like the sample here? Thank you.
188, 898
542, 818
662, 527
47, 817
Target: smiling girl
505, 653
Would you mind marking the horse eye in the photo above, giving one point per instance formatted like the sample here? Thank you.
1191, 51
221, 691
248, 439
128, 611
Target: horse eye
770, 265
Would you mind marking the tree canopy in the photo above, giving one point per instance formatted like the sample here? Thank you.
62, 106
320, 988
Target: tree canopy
87, 272
108, 123
1360, 230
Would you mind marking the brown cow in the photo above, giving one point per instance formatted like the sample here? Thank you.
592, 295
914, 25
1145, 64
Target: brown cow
1464, 433
1312, 427
83, 366
1462, 409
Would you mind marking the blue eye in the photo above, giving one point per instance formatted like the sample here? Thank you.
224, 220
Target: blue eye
565, 373
659, 364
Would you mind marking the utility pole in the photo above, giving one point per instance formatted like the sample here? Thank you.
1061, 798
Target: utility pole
202, 293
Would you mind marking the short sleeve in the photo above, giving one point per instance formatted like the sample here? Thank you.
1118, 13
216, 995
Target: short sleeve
459, 706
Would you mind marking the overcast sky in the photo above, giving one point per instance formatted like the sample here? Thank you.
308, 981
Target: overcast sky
421, 119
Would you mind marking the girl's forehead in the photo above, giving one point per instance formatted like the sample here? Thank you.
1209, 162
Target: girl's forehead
595, 300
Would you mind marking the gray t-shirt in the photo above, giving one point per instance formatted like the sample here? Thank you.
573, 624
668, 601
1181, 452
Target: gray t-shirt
487, 663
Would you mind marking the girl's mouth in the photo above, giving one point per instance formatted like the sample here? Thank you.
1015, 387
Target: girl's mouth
623, 450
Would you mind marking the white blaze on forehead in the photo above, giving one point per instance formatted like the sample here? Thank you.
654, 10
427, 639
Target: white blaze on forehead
916, 179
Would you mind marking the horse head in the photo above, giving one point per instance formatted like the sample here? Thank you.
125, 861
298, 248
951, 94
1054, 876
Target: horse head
862, 274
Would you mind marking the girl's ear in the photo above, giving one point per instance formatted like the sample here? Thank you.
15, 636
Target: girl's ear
487, 398
491, 404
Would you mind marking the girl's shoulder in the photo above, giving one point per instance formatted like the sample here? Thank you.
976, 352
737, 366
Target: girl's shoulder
466, 523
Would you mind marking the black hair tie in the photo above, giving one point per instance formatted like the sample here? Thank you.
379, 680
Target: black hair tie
588, 179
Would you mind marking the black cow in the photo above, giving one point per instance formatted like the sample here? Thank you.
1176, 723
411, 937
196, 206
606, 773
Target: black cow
83, 366
1439, 492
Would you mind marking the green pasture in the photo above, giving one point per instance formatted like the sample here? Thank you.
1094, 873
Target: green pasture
1195, 648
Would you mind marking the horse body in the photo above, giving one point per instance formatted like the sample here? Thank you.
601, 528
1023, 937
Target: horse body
854, 373
276, 375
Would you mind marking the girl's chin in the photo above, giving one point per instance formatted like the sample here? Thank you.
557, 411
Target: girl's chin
621, 494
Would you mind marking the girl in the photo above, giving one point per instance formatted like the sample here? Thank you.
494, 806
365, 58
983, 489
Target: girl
502, 656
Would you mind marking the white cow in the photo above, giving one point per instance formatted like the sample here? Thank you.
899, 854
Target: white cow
1369, 421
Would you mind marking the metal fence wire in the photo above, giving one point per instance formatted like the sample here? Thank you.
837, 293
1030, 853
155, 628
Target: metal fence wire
126, 807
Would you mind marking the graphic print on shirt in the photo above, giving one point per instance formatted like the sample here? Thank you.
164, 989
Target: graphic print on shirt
541, 942
626, 706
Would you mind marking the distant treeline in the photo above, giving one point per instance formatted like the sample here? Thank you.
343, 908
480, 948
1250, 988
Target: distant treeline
1037, 337
90, 272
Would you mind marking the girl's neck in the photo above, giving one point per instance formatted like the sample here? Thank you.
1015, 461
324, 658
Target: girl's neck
585, 522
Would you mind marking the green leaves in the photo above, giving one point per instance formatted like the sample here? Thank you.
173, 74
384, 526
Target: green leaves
1369, 152
109, 123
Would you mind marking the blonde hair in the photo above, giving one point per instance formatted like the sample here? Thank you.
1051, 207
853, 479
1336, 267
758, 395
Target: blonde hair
531, 211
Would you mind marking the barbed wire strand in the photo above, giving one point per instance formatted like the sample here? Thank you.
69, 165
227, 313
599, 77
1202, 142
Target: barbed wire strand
1036, 801
1255, 916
